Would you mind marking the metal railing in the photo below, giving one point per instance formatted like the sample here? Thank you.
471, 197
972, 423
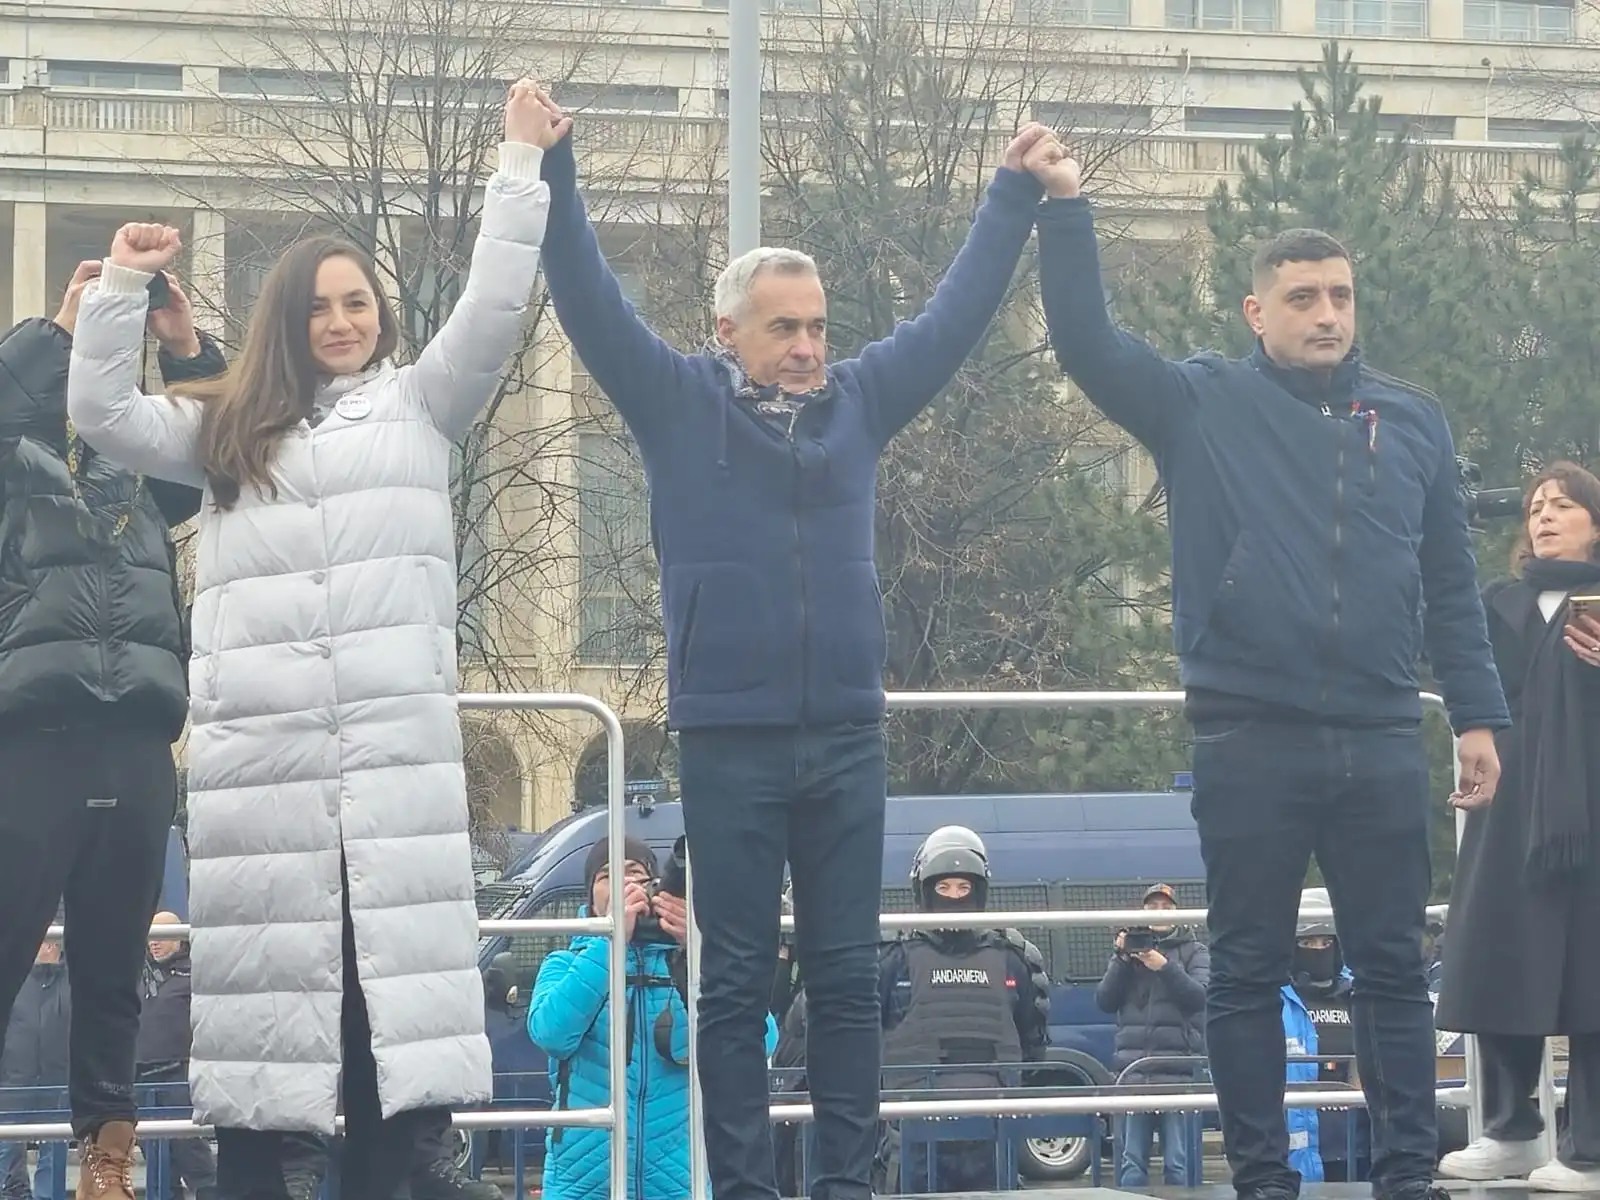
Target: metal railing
613, 1117
1073, 1105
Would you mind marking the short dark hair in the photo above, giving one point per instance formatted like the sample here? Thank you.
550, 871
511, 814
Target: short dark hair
1578, 485
1294, 245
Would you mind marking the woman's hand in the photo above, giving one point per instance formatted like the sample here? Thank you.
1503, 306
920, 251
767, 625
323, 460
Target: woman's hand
530, 119
144, 247
1583, 637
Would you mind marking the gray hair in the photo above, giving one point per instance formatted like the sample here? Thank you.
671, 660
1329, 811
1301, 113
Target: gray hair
737, 278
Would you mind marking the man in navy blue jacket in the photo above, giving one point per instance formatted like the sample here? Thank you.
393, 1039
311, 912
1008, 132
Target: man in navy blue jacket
762, 461
1319, 545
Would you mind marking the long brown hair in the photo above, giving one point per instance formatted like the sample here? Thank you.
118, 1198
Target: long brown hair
269, 390
1578, 485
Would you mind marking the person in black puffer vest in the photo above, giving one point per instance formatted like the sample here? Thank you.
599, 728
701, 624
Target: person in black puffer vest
93, 660
1158, 993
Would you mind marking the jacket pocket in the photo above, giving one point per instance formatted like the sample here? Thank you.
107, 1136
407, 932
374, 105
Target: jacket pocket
720, 628
851, 625
1251, 620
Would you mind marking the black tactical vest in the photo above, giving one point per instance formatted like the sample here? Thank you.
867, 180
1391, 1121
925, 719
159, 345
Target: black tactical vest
960, 1012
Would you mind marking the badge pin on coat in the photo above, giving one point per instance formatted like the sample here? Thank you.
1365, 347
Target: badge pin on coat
353, 407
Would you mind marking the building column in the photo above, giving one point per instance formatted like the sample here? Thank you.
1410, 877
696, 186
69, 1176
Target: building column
208, 268
1446, 20
30, 272
1147, 14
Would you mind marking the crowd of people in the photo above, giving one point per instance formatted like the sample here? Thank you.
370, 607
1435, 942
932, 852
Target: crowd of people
1320, 549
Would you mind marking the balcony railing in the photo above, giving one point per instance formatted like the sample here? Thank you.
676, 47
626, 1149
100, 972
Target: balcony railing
1175, 166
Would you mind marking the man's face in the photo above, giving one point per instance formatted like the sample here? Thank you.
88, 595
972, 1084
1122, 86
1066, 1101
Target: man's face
1158, 904
780, 333
1305, 315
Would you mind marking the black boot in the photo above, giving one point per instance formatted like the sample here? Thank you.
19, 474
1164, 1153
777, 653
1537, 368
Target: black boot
443, 1180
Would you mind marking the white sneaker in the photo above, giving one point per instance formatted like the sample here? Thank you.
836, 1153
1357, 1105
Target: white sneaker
1558, 1177
1488, 1159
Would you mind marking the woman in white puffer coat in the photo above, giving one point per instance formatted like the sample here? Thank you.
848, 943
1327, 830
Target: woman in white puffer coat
331, 884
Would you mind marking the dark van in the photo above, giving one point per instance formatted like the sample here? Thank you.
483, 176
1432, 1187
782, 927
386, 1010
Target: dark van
1046, 851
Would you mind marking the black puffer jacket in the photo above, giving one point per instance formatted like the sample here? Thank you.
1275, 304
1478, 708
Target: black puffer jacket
90, 614
1161, 1012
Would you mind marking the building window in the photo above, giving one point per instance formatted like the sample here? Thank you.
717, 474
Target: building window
810, 8
1519, 21
262, 82
1252, 122
1422, 129
1251, 16
1373, 18
618, 98
116, 77
615, 567
1085, 118
1534, 132
1077, 12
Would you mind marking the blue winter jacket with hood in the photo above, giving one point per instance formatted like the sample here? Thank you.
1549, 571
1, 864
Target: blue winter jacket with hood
568, 1019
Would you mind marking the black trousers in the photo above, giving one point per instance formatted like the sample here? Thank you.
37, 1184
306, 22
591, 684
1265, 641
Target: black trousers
753, 798
84, 815
1268, 796
193, 1164
376, 1159
1510, 1067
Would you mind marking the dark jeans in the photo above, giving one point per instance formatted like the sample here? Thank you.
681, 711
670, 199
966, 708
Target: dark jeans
84, 815
1511, 1066
751, 799
1266, 797
192, 1162
377, 1154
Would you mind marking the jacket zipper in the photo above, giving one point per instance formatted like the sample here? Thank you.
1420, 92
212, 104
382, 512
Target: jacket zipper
800, 563
644, 1084
1338, 553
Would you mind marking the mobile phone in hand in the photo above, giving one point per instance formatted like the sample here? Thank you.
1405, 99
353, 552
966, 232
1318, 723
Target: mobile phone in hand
1582, 606
160, 291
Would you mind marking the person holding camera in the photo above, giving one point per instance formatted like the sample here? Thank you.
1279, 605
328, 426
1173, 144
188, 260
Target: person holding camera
1521, 967
567, 1019
1156, 983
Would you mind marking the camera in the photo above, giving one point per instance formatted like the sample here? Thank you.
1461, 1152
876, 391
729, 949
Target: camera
159, 290
673, 881
1138, 940
1484, 504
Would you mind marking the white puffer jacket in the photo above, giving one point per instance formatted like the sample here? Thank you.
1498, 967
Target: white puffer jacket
323, 706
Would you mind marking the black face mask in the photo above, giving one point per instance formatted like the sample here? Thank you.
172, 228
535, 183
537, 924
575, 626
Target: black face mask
1317, 966
932, 901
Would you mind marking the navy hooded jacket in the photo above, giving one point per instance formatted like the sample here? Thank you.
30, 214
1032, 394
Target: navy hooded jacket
769, 591
1319, 536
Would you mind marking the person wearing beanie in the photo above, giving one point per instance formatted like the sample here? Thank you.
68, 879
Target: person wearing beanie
567, 1019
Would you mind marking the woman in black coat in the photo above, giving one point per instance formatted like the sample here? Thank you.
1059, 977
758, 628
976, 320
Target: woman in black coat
1522, 964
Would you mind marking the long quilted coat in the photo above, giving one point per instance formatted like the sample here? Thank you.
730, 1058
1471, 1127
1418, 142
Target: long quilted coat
568, 1019
323, 711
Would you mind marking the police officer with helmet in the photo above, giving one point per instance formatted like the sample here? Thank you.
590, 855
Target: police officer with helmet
971, 1002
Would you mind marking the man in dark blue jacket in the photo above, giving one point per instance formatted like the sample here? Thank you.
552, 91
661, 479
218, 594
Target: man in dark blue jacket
762, 461
1319, 544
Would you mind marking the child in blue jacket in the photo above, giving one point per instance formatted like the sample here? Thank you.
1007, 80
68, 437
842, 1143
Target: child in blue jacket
567, 1018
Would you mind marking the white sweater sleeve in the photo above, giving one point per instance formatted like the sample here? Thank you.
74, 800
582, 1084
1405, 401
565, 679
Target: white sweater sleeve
152, 435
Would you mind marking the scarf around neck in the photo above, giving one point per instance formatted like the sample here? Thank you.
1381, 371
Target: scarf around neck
767, 400
1556, 730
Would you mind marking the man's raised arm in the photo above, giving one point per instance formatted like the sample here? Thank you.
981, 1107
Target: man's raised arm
902, 373
632, 365
1121, 374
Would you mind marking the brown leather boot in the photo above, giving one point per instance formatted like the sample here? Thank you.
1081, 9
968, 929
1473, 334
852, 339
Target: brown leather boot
105, 1167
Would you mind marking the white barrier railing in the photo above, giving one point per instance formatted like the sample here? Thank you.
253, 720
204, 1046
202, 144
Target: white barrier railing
900, 701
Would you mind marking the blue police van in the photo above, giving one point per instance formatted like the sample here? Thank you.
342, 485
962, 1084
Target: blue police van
1065, 851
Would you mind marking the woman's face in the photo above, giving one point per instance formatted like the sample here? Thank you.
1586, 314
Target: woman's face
1560, 527
344, 317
